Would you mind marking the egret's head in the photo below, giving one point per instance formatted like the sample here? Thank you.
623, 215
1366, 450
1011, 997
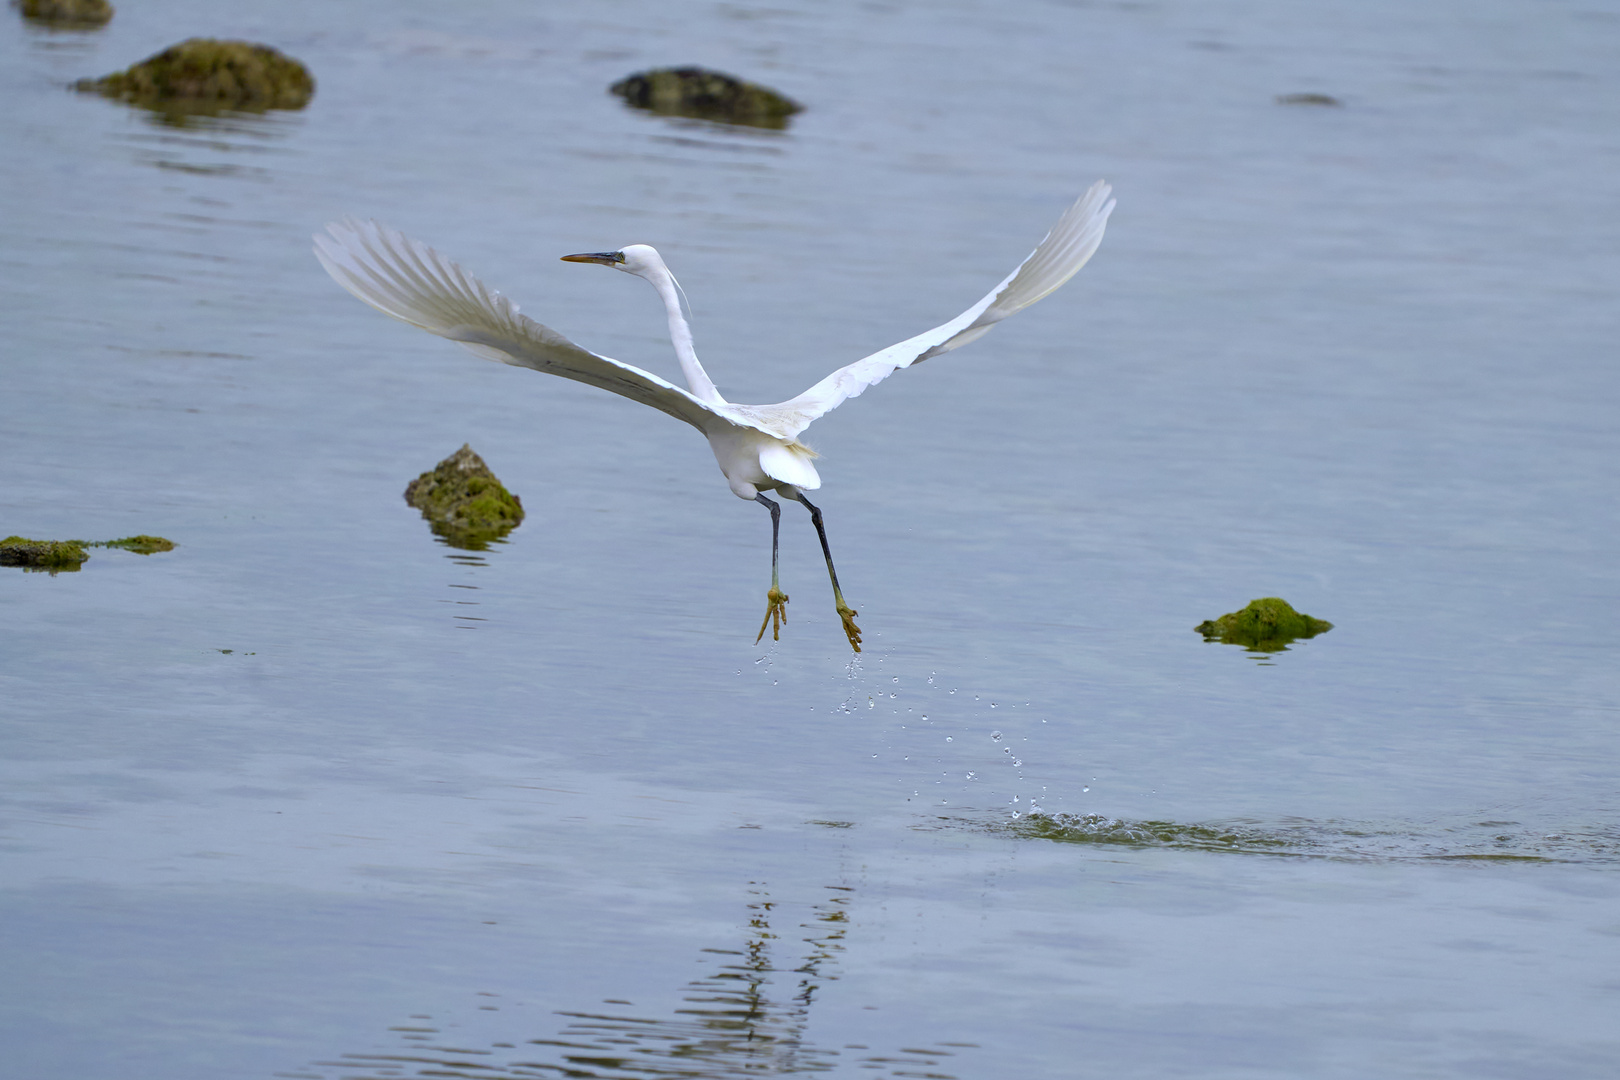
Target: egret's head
636, 259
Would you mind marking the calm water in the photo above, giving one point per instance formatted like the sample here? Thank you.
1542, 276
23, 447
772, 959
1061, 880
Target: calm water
316, 796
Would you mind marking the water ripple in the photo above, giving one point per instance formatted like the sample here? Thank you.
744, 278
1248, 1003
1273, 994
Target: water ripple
748, 1017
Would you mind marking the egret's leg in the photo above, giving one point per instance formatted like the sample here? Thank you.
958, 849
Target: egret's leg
845, 613
775, 600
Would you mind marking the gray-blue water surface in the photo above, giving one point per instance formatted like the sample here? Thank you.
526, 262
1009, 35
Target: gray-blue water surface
314, 795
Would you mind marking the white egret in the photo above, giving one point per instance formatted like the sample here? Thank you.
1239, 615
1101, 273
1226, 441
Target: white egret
757, 446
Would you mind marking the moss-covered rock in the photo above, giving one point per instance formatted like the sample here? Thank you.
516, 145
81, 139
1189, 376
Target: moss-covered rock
52, 555
67, 14
58, 555
706, 95
203, 75
1266, 625
464, 502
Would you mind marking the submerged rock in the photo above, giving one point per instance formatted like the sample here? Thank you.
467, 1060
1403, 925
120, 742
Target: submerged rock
464, 502
67, 14
203, 75
1266, 625
706, 95
1308, 99
52, 555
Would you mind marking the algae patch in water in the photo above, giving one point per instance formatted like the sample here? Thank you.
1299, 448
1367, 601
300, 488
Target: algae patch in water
464, 502
1492, 841
1266, 625
1100, 829
706, 95
66, 14
140, 545
205, 75
56, 556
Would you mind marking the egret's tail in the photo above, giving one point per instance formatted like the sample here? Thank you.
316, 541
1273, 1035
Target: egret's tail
410, 281
1070, 244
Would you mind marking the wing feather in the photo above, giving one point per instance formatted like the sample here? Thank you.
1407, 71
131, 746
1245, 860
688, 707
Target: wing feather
1059, 256
409, 281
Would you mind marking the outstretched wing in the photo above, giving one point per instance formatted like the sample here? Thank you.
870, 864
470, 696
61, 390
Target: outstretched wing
410, 281
1064, 251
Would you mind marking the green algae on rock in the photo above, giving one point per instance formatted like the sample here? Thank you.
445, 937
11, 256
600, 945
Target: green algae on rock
1266, 625
706, 95
464, 502
50, 555
204, 75
67, 14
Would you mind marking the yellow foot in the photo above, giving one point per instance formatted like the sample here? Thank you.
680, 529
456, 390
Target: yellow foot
852, 631
775, 612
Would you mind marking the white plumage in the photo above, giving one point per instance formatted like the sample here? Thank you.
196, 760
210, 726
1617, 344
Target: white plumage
756, 445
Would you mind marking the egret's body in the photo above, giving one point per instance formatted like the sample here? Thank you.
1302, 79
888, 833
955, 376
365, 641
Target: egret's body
756, 446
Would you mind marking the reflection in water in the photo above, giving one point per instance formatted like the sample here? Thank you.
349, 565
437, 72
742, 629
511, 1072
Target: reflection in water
746, 1018
223, 144
471, 562
1483, 840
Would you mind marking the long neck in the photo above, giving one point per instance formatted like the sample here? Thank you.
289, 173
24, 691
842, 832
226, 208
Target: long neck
697, 380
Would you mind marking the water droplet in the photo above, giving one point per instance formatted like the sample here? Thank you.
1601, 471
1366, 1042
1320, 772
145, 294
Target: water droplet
953, 691
1015, 798
947, 738
1086, 788
1017, 763
895, 679
1016, 814
925, 716
995, 736
1006, 749
992, 705
970, 776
